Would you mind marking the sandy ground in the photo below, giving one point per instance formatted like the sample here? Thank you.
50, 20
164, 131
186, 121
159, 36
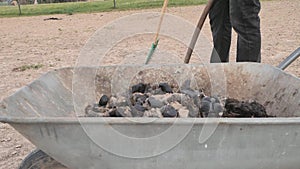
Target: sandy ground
56, 44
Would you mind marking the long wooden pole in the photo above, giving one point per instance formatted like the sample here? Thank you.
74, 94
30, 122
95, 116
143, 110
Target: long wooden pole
197, 31
163, 11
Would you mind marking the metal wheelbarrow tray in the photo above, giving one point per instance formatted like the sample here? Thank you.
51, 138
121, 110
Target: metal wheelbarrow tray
47, 112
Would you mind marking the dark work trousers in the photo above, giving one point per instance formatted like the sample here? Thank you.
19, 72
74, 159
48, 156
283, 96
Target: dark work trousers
242, 16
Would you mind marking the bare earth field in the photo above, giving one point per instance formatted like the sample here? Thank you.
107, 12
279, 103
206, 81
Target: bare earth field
54, 44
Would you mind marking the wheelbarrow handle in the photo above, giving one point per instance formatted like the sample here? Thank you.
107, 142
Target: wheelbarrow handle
290, 59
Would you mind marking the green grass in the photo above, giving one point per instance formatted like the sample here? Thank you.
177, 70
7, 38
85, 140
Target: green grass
89, 7
27, 67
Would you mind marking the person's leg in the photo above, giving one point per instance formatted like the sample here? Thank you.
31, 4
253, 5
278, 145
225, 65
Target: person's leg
221, 30
246, 22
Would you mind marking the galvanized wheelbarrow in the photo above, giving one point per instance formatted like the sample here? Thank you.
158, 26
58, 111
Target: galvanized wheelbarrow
48, 112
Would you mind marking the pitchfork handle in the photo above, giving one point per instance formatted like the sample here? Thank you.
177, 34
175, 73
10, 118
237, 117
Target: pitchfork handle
197, 31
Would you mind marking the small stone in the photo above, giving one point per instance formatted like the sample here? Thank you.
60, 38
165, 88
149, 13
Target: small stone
146, 105
215, 99
206, 98
148, 113
157, 91
140, 88
176, 97
205, 106
165, 87
211, 107
176, 105
103, 100
112, 102
8, 139
190, 92
153, 113
183, 112
217, 107
14, 153
114, 113
136, 113
120, 101
18, 146
213, 115
193, 110
168, 111
159, 113
149, 90
139, 97
186, 100
123, 112
139, 107
154, 102
168, 98
161, 97
197, 101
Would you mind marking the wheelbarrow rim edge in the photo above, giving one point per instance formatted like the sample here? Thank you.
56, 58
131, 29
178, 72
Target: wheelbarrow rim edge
145, 121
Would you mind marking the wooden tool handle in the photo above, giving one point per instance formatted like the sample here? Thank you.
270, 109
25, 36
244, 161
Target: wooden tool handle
163, 11
197, 31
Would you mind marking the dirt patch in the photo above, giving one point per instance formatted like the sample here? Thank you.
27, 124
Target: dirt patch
57, 43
